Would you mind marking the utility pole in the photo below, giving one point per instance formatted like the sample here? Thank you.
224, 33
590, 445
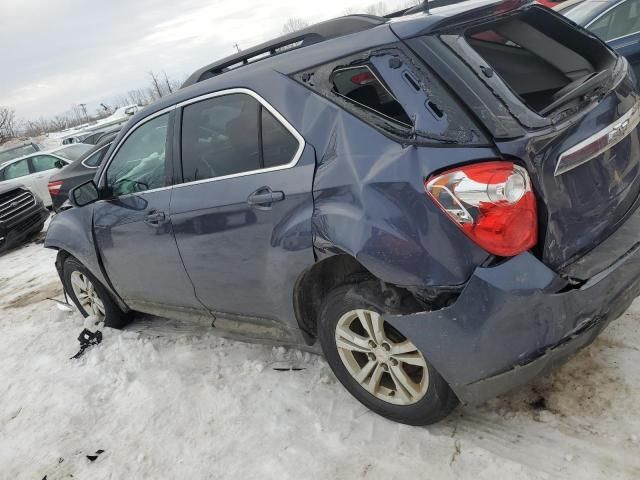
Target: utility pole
237, 47
83, 106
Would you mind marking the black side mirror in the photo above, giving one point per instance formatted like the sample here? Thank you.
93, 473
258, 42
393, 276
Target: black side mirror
84, 194
59, 164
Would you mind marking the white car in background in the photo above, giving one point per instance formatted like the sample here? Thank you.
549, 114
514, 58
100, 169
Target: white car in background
34, 170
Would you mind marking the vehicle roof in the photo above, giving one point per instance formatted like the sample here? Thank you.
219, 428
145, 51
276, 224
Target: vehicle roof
26, 144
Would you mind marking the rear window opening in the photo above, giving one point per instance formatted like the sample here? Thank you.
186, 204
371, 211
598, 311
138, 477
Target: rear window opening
362, 86
541, 57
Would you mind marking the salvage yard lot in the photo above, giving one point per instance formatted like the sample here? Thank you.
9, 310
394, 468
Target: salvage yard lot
165, 400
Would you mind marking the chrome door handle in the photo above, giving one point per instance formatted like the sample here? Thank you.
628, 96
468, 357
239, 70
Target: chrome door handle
155, 219
264, 197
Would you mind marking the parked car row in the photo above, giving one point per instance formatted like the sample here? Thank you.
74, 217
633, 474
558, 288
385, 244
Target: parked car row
444, 205
33, 171
617, 22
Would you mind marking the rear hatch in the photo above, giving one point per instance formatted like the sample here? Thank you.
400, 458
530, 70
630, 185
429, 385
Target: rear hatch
557, 100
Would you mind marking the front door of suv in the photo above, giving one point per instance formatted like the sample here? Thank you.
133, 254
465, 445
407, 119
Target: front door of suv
242, 216
132, 228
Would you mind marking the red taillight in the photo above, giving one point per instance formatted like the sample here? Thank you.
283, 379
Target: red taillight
493, 204
54, 187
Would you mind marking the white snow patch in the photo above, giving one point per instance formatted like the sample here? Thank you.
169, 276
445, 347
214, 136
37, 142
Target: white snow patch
167, 402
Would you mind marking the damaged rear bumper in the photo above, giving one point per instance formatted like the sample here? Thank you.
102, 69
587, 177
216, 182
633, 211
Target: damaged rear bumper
512, 323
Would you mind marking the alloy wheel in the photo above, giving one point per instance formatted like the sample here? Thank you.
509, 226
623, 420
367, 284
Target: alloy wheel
380, 359
87, 295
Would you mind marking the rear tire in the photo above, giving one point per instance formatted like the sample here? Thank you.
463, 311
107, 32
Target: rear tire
90, 296
379, 366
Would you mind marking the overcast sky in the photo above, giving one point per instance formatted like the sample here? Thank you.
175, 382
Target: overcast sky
54, 54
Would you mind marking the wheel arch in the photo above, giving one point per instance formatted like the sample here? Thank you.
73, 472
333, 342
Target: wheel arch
314, 284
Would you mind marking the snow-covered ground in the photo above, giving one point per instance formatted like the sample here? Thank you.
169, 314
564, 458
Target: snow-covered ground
162, 400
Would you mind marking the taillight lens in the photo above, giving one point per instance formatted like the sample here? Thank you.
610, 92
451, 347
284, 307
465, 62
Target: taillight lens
493, 204
54, 187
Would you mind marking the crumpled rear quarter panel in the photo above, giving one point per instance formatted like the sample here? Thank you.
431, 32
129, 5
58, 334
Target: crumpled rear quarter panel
370, 201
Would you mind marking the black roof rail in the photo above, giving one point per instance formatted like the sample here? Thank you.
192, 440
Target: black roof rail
302, 38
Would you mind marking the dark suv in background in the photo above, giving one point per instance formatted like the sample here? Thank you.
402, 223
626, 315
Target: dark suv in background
22, 215
444, 204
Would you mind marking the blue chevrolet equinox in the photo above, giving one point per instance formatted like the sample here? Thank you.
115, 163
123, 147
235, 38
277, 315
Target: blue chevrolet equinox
443, 203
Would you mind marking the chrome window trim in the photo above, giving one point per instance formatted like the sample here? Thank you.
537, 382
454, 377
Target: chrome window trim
231, 91
94, 153
602, 15
294, 161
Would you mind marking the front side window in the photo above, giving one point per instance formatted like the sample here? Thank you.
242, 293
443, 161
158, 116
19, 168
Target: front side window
618, 22
232, 134
42, 163
16, 170
139, 164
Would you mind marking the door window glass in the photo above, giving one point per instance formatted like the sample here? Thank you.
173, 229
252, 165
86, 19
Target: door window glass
622, 20
220, 137
16, 170
139, 164
279, 146
43, 163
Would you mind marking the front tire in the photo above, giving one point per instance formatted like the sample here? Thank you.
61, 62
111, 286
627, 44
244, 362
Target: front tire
383, 369
90, 296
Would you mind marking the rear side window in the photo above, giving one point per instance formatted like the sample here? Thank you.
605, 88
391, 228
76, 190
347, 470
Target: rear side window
362, 86
42, 163
96, 159
74, 152
232, 134
395, 92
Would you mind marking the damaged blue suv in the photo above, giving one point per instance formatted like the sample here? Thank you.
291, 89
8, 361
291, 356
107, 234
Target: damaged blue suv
445, 204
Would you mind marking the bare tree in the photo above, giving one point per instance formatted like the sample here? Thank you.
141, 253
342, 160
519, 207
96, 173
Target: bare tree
7, 124
381, 9
138, 96
156, 87
294, 24
171, 84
